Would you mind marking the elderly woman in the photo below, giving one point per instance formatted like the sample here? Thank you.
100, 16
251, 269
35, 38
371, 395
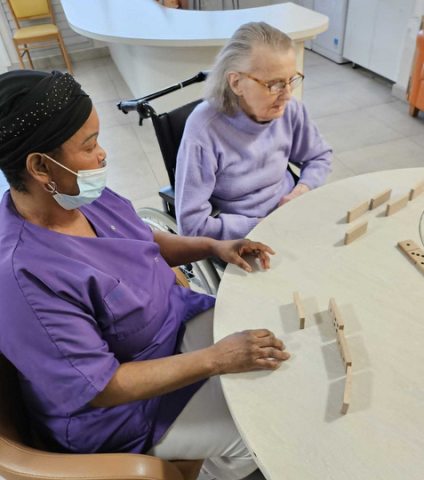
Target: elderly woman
236, 145
91, 316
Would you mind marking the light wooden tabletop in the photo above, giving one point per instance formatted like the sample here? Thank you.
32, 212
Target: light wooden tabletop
290, 418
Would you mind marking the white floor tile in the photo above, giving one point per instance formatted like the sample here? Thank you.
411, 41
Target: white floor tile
400, 153
396, 116
355, 129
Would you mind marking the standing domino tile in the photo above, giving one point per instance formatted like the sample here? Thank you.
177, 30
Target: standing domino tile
417, 190
347, 390
356, 212
344, 348
356, 232
379, 199
397, 205
299, 309
335, 312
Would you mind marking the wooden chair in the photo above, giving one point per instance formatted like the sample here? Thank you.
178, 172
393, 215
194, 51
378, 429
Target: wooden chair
416, 92
20, 460
40, 33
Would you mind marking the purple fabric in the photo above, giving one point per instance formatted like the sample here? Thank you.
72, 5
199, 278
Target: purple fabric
240, 167
74, 308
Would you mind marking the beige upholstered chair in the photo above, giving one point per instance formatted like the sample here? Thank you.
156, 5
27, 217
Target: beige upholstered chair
19, 460
40, 34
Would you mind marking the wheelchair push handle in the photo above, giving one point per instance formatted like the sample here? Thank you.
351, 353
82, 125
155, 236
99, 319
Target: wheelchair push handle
141, 105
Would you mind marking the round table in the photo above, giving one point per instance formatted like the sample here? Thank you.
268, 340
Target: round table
290, 418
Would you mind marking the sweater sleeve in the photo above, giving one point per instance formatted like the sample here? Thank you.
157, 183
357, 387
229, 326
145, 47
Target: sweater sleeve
194, 186
309, 150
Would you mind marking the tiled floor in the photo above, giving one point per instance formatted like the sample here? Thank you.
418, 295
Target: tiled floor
354, 110
368, 128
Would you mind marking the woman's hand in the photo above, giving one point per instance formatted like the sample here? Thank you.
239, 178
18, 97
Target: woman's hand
299, 189
248, 350
231, 251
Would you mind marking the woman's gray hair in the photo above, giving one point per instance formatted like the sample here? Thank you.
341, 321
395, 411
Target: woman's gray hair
233, 58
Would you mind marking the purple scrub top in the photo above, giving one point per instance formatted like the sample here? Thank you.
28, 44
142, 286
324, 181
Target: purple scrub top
73, 309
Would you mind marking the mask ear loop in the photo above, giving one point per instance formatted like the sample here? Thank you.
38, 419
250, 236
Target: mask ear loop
51, 187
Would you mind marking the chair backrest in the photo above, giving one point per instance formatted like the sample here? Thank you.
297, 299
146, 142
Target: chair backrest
13, 419
30, 9
169, 128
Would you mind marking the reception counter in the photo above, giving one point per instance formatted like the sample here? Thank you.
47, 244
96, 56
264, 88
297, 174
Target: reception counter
154, 46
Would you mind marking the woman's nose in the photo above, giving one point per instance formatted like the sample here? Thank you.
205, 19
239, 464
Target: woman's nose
102, 155
285, 92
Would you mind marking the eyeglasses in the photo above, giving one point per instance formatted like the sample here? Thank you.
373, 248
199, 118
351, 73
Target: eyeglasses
277, 86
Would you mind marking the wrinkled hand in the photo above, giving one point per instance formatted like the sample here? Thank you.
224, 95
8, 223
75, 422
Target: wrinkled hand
232, 251
299, 189
248, 350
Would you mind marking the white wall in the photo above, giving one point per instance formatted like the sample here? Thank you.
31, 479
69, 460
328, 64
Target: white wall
399, 89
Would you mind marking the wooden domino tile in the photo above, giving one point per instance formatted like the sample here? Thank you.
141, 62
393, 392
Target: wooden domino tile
299, 309
379, 199
344, 348
347, 390
417, 190
356, 212
394, 207
335, 313
356, 232
413, 252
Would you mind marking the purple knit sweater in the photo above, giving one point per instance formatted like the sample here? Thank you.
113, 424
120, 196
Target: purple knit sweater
240, 167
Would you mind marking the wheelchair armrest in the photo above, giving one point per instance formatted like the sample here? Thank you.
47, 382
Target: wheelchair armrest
168, 194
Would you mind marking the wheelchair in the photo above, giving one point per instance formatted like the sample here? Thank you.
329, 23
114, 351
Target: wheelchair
169, 127
203, 275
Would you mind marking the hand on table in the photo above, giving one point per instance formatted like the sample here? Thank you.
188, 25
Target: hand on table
232, 251
248, 350
299, 189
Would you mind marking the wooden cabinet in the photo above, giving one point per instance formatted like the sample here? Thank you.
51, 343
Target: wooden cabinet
375, 33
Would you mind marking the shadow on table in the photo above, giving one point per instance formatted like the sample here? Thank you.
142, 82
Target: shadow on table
362, 384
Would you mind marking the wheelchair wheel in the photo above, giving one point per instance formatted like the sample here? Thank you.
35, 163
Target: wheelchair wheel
201, 275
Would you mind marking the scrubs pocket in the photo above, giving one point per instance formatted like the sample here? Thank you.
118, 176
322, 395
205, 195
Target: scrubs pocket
130, 310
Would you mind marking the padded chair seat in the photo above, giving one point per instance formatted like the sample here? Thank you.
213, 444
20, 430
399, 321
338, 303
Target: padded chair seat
35, 31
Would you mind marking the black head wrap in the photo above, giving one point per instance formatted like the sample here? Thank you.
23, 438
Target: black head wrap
38, 112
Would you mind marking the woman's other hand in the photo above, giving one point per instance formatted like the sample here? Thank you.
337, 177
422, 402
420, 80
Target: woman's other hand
248, 350
232, 251
299, 189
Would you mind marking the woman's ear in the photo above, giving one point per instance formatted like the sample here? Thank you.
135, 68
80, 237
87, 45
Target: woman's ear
37, 167
234, 82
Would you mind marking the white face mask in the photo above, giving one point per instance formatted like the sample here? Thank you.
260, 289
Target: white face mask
91, 183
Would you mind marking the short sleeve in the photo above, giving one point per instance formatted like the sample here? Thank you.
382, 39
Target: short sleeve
56, 346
